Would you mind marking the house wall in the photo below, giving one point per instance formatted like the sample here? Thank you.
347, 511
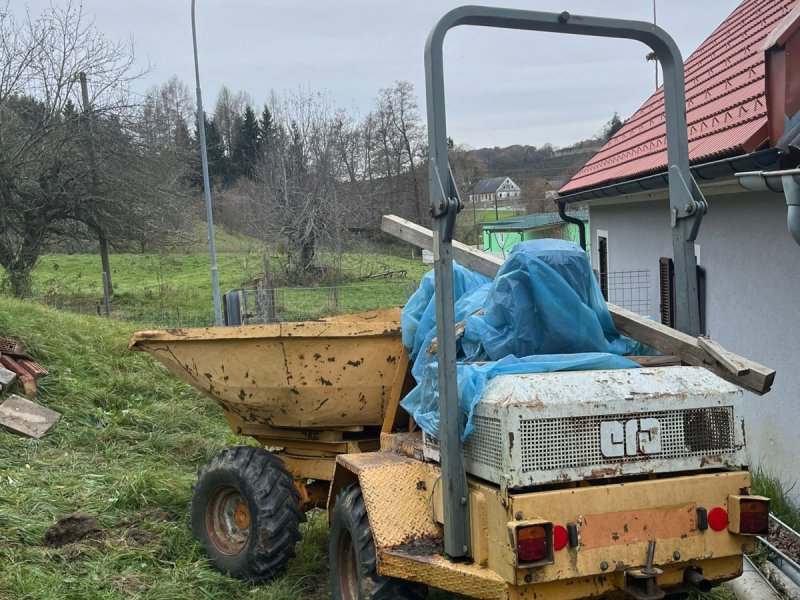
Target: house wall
753, 299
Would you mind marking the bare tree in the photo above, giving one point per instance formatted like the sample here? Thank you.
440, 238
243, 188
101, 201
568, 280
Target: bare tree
401, 144
298, 189
57, 175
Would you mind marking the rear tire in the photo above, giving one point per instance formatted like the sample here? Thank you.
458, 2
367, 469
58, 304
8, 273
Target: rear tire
245, 510
352, 554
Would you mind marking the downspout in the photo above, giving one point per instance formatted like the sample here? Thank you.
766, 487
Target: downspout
574, 220
786, 181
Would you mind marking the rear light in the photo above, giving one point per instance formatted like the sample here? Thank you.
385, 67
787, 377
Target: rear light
718, 518
560, 537
534, 543
748, 515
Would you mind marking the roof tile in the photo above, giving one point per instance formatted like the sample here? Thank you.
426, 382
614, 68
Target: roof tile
726, 111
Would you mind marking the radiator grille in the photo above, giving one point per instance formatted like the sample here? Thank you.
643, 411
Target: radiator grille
575, 442
483, 447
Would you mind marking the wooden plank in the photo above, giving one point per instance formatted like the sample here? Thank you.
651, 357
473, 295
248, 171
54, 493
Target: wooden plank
664, 339
726, 359
422, 237
26, 418
671, 341
665, 360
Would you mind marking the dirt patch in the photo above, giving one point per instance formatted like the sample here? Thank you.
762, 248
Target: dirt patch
784, 541
129, 585
69, 553
140, 536
73, 528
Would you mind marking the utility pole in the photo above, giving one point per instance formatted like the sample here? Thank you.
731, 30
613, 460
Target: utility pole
201, 126
108, 287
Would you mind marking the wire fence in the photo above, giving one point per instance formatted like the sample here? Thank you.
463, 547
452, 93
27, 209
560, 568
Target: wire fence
628, 289
257, 305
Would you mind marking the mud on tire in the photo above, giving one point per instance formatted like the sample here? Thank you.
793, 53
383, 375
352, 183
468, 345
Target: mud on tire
245, 510
352, 556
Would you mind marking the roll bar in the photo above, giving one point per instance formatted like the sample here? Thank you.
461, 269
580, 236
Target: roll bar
687, 207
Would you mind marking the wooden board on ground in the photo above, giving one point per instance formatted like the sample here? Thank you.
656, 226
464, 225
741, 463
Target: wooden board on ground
27, 418
757, 378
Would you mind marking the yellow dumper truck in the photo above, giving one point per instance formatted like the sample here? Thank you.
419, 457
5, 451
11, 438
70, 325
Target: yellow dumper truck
626, 482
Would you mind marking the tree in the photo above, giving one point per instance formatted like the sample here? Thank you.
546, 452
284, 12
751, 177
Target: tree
612, 126
65, 172
247, 143
266, 130
297, 192
401, 142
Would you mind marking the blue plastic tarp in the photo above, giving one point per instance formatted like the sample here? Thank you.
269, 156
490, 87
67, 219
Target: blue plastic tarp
543, 312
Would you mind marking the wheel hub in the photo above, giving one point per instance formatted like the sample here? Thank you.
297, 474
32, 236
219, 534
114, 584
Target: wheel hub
228, 520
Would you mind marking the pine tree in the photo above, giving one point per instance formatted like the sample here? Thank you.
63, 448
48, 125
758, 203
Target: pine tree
266, 130
247, 142
218, 167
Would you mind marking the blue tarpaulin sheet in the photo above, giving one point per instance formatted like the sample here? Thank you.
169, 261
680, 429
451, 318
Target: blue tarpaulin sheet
543, 312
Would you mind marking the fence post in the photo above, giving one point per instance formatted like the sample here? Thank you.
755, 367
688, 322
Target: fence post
269, 291
106, 295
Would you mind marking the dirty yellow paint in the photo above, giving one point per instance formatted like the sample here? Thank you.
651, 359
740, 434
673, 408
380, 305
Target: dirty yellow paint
318, 374
308, 467
395, 495
665, 506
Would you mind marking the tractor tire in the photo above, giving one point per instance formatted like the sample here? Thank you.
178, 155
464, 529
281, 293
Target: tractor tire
245, 510
352, 555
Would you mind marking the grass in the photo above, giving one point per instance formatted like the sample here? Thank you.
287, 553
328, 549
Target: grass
174, 289
125, 451
766, 484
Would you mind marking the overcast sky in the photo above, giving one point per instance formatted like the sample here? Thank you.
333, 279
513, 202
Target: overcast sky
503, 87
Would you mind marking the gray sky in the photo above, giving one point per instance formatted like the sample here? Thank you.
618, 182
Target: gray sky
502, 87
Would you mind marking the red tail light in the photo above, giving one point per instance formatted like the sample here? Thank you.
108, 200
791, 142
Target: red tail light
718, 518
748, 515
533, 543
560, 537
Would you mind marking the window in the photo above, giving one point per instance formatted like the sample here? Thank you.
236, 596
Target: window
602, 261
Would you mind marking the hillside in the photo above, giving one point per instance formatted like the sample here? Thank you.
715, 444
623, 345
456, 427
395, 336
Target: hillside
125, 452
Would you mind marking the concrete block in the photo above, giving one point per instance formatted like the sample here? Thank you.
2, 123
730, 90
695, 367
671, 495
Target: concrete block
6, 378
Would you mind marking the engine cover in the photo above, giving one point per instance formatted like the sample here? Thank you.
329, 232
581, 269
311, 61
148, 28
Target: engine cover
557, 427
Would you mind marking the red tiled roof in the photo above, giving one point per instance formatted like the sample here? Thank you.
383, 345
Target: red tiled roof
726, 108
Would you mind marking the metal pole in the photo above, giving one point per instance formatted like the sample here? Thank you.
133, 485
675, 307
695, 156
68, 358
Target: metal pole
201, 126
655, 23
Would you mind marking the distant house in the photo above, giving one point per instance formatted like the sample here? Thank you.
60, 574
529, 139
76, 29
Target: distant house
501, 236
496, 189
743, 113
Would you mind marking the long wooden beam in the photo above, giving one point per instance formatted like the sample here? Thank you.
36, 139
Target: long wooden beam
748, 374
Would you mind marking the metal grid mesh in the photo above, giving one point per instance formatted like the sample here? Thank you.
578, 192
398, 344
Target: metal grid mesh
630, 290
575, 442
485, 445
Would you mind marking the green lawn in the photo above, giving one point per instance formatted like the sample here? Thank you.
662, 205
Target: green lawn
125, 451
175, 288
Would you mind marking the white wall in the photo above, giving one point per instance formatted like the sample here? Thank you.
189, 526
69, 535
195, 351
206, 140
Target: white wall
753, 300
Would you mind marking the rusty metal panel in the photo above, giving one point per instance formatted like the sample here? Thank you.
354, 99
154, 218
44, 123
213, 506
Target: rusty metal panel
573, 426
435, 570
661, 510
396, 496
320, 374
